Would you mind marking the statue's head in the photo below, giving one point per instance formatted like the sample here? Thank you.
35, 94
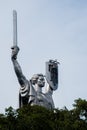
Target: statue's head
38, 79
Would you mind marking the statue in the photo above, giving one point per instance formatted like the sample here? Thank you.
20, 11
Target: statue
31, 90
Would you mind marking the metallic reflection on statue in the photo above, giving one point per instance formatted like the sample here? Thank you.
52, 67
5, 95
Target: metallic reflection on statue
31, 90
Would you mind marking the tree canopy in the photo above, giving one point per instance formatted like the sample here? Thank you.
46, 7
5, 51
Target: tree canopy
39, 118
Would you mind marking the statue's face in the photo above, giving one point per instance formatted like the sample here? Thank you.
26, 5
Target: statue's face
41, 81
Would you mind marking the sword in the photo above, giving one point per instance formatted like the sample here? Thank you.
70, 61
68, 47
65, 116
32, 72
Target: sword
14, 28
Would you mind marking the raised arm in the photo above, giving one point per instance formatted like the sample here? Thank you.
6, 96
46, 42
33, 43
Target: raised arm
21, 78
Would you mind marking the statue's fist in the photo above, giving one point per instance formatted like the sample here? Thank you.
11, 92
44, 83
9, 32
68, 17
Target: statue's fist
15, 50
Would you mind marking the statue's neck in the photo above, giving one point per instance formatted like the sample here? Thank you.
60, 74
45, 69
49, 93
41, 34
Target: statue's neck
38, 88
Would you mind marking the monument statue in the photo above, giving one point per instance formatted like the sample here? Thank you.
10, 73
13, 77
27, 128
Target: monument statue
31, 90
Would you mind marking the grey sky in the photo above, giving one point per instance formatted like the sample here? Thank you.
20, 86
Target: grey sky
47, 29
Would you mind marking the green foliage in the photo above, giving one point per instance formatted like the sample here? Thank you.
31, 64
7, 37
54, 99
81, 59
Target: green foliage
34, 118
81, 108
39, 118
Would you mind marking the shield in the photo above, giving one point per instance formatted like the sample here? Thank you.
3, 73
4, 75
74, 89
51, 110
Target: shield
52, 73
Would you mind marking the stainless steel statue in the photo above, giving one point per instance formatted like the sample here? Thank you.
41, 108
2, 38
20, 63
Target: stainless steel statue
31, 90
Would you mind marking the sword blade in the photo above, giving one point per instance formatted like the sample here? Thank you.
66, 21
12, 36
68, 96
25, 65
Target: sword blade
14, 28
